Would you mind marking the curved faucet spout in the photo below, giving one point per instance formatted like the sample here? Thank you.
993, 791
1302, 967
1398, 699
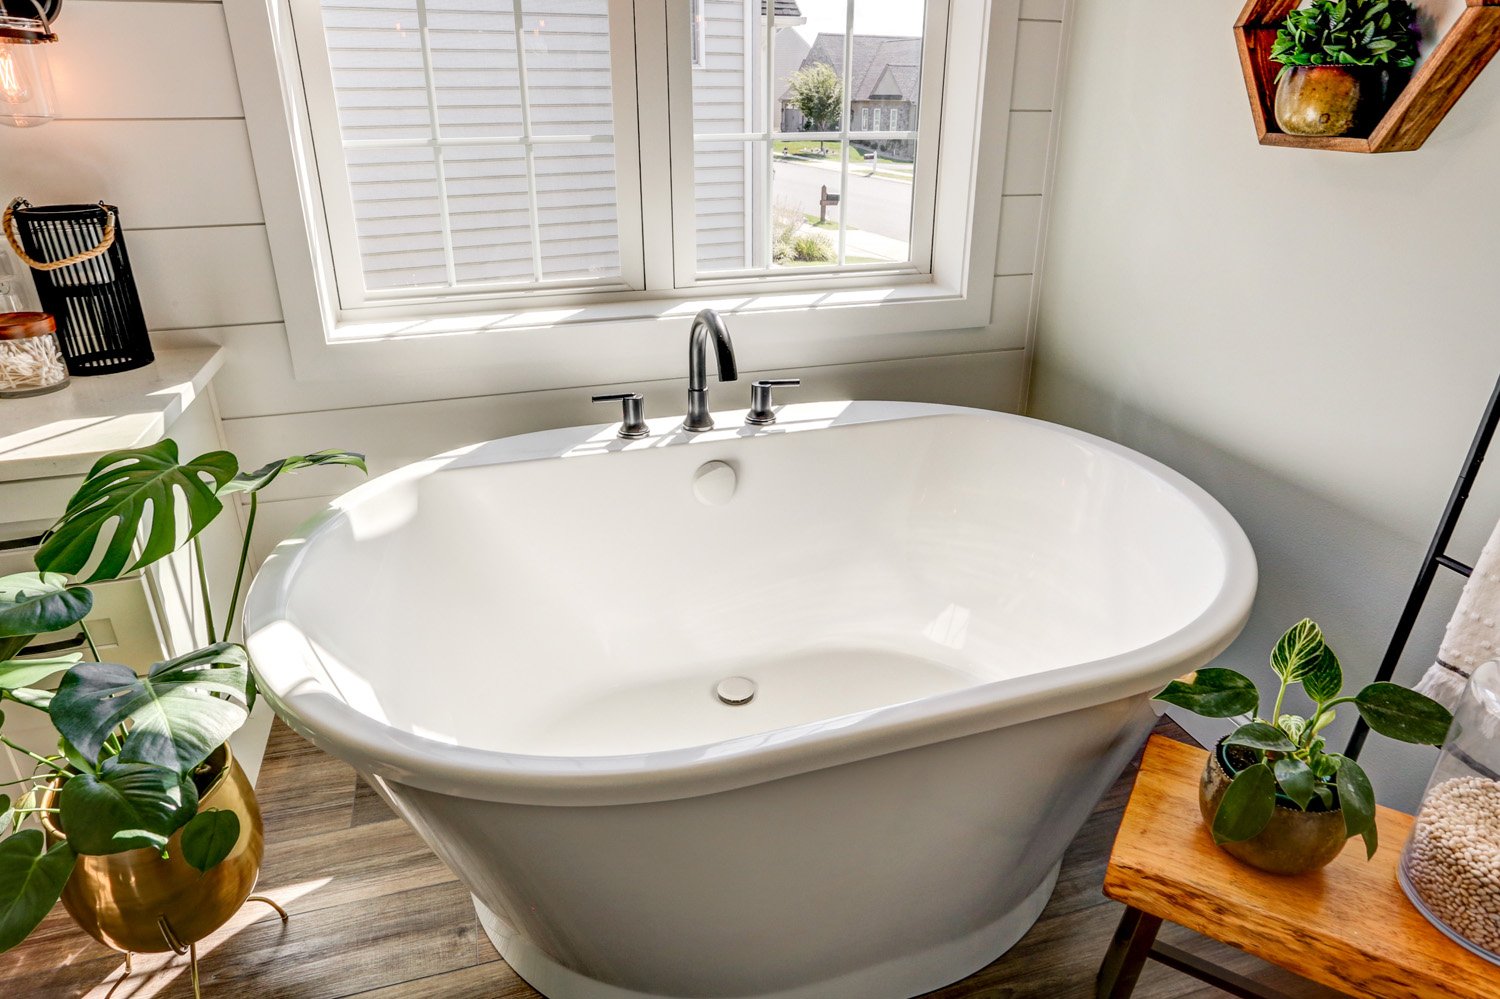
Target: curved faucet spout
705, 324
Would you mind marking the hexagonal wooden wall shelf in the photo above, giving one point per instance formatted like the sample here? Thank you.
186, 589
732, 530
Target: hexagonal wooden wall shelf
1433, 90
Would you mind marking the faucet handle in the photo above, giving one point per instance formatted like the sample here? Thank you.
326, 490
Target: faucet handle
761, 413
633, 416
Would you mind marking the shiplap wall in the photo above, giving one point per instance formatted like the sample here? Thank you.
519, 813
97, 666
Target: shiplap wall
153, 123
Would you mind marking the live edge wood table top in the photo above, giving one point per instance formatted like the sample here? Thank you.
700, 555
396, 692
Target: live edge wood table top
1348, 926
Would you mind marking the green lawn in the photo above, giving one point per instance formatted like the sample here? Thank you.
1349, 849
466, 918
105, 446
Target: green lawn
809, 150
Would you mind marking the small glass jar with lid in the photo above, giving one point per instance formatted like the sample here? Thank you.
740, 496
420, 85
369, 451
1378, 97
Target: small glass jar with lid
31, 361
1451, 866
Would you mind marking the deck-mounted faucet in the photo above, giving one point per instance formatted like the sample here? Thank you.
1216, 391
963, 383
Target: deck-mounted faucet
705, 323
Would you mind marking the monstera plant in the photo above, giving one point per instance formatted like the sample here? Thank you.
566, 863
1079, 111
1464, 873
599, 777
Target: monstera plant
133, 754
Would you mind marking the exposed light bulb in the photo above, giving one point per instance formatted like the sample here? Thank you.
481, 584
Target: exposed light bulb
26, 96
14, 88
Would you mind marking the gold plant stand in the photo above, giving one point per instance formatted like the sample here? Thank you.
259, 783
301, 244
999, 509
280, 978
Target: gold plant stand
176, 946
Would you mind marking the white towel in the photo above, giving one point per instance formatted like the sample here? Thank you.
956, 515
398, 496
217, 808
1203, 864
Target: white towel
1473, 635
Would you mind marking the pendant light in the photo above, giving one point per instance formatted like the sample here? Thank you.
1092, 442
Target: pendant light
26, 94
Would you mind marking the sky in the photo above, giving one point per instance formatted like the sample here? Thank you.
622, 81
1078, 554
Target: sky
871, 17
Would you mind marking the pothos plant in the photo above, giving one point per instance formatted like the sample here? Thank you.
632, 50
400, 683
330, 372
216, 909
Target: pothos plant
132, 752
1348, 33
1287, 754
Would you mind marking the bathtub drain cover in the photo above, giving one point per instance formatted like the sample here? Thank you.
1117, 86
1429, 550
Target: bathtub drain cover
736, 690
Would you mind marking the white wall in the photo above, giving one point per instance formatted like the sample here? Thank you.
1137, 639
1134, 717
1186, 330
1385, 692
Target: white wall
1311, 336
154, 123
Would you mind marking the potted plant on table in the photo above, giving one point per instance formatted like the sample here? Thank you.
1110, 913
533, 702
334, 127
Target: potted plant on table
1271, 793
138, 816
1342, 63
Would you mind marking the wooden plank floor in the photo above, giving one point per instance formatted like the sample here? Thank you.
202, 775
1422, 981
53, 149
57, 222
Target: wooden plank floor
375, 915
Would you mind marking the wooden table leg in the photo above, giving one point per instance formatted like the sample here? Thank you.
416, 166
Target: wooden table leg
1127, 954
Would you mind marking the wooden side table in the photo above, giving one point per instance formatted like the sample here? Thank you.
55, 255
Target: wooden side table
1348, 926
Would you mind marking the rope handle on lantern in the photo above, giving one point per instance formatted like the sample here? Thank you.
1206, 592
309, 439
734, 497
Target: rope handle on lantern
8, 222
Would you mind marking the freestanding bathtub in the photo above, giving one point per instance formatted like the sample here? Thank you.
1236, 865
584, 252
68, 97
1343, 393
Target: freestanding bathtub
953, 619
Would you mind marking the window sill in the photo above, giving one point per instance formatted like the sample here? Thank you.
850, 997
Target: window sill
644, 339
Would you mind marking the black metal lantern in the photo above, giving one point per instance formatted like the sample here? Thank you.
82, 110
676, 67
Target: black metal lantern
82, 274
26, 94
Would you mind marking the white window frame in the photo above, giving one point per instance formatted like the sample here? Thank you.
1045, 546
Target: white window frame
550, 338
342, 230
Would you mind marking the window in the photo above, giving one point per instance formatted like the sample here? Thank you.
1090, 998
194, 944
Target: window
468, 148
466, 145
488, 166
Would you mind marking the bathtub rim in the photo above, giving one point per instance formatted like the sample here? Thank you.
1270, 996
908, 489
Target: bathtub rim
378, 749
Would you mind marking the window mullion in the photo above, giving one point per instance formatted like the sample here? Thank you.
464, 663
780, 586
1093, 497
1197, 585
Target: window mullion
845, 103
527, 143
445, 216
768, 181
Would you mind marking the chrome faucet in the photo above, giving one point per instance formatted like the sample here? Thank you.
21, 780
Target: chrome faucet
705, 323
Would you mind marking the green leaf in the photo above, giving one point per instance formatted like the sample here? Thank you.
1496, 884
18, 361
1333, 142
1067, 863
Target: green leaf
7, 813
25, 672
209, 838
1295, 726
76, 759
1326, 677
1357, 801
39, 699
250, 482
1296, 780
31, 881
1213, 693
135, 493
1398, 713
1247, 805
126, 806
1259, 735
35, 602
174, 715
1298, 651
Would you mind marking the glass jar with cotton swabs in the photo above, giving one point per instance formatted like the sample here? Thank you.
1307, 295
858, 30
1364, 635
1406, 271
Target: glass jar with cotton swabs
1451, 866
31, 360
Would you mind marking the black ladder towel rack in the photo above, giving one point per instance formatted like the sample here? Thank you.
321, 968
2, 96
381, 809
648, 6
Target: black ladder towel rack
1437, 556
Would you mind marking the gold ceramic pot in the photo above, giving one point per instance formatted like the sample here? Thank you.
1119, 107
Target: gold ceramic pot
137, 902
1293, 842
1318, 100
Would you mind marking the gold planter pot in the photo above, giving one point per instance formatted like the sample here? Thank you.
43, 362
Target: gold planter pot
137, 901
1293, 842
1319, 100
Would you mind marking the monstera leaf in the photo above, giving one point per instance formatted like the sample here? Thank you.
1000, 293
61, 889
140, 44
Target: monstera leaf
178, 714
31, 881
130, 493
126, 806
19, 673
209, 838
253, 482
35, 602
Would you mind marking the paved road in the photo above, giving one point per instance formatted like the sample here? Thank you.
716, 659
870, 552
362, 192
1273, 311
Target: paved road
875, 204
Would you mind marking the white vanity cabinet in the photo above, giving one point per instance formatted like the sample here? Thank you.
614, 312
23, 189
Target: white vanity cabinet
47, 444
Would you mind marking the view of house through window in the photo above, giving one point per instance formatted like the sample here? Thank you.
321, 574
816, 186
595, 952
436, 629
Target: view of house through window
827, 177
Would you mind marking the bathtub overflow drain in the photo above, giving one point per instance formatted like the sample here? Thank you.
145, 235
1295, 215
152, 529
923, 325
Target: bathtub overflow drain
736, 690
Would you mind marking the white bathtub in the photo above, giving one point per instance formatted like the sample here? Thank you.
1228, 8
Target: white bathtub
955, 619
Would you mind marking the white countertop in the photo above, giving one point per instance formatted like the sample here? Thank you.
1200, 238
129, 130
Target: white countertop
65, 432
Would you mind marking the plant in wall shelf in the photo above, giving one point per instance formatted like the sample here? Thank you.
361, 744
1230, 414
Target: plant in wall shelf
137, 816
1342, 63
1271, 793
